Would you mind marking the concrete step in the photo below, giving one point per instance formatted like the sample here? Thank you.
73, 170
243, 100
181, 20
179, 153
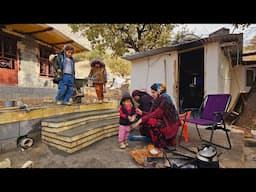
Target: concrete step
64, 128
79, 147
81, 136
66, 125
90, 136
82, 131
76, 118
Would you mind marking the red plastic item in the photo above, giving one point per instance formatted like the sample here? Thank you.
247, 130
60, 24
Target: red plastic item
185, 125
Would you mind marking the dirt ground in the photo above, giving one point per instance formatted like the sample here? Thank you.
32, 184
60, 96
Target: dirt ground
102, 154
107, 154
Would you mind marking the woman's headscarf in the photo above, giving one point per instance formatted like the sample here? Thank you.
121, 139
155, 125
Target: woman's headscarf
156, 87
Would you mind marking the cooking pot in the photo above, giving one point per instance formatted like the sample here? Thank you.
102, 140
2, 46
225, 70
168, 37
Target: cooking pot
207, 157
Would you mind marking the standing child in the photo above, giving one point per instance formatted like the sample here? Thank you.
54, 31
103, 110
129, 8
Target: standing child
99, 74
127, 116
64, 65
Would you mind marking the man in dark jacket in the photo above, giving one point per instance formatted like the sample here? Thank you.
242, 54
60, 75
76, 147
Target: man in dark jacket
64, 65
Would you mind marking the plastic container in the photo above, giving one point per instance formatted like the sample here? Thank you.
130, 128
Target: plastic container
138, 138
10, 103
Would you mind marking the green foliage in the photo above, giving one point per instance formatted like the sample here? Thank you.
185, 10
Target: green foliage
118, 65
88, 55
121, 38
252, 44
241, 26
95, 54
115, 64
184, 34
80, 56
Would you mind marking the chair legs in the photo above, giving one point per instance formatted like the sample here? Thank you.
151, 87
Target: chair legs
180, 138
213, 128
198, 132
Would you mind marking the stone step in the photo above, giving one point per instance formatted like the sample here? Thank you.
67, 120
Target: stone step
82, 131
100, 133
79, 147
81, 136
82, 122
78, 118
72, 132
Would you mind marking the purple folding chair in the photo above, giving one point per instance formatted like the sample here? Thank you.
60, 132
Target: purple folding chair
211, 114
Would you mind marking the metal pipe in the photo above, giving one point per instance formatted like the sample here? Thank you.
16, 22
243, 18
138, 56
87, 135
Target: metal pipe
25, 142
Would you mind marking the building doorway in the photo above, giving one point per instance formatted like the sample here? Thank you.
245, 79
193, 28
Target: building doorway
191, 78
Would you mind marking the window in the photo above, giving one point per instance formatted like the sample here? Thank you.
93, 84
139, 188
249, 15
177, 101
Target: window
10, 47
43, 68
7, 63
249, 77
8, 52
46, 68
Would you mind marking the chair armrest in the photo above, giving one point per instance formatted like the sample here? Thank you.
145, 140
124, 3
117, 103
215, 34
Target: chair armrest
218, 113
193, 110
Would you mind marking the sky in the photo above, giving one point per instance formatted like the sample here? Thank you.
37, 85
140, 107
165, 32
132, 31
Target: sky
203, 30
